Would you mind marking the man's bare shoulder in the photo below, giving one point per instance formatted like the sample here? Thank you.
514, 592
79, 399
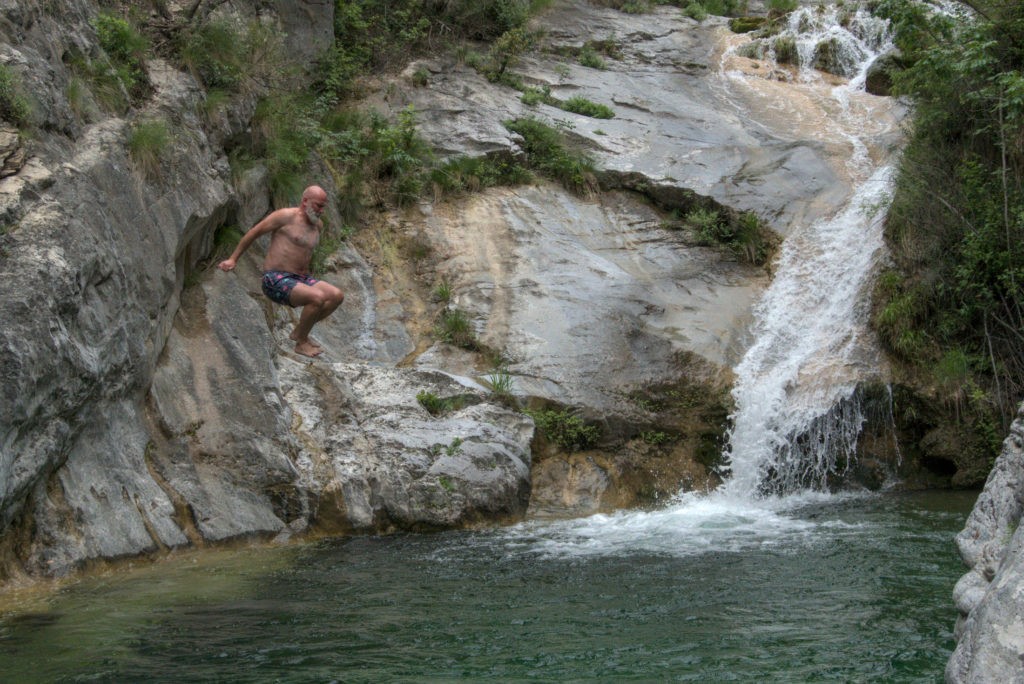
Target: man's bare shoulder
279, 218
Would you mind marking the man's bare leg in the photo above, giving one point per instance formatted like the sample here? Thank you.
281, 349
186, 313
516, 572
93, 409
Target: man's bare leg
317, 302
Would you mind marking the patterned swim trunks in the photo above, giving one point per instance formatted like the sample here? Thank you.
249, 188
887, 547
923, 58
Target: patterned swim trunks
278, 285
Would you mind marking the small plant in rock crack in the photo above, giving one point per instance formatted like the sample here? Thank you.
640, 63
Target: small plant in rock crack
500, 381
443, 292
455, 328
436, 406
452, 449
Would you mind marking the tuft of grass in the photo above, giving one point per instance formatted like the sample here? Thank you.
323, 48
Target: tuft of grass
581, 105
786, 51
215, 54
443, 292
14, 106
565, 429
455, 328
501, 384
472, 174
148, 140
437, 406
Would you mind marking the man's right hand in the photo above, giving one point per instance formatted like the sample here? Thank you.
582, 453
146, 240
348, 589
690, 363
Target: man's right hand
227, 265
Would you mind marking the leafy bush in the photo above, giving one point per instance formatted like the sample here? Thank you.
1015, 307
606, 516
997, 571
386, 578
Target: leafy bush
956, 224
744, 234
506, 50
695, 11
126, 49
565, 429
14, 106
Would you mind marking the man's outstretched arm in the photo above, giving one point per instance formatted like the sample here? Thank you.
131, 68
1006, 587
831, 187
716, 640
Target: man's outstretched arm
269, 224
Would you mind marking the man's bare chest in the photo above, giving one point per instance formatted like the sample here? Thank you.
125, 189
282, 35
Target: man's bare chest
302, 237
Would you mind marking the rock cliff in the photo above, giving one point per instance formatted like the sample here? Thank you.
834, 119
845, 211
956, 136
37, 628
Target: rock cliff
990, 629
153, 402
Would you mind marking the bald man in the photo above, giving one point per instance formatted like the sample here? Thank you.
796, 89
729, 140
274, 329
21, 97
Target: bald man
294, 232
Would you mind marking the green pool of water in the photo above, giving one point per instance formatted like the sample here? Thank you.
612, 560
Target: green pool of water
843, 589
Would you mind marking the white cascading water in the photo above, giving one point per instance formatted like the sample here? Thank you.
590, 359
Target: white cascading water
796, 420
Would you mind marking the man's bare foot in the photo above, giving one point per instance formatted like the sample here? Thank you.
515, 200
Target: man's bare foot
295, 338
307, 348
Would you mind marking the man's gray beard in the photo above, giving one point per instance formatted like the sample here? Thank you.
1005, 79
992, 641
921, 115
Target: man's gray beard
312, 216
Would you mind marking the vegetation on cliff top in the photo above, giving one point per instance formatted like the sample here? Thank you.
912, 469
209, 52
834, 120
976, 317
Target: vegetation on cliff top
952, 307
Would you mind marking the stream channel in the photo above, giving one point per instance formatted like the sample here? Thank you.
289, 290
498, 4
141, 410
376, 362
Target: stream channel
766, 579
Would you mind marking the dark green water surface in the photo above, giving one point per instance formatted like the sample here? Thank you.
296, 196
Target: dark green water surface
848, 590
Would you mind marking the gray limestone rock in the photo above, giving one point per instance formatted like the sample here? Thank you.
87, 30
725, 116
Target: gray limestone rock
990, 597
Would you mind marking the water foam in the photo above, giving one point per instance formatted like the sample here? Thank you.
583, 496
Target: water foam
797, 420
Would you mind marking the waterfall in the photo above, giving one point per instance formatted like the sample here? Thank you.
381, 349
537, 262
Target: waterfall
796, 419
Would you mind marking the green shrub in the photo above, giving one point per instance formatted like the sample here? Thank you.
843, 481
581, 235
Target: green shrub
635, 7
695, 11
706, 223
745, 235
565, 429
547, 153
506, 51
126, 49
726, 8
147, 142
14, 106
330, 242
230, 57
589, 58
533, 96
581, 105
